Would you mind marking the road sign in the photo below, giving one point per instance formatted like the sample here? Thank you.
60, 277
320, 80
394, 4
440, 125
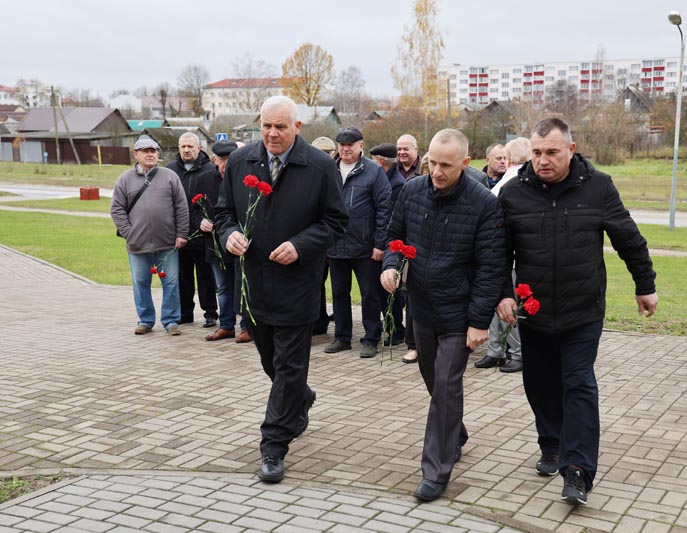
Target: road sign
221, 137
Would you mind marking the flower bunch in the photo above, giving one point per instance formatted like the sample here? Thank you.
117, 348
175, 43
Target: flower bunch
200, 200
256, 191
388, 324
159, 268
527, 301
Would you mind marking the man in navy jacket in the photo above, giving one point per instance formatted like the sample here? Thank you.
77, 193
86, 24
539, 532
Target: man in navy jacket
456, 226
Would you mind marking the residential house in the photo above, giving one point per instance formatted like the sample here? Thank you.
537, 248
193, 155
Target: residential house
239, 95
88, 127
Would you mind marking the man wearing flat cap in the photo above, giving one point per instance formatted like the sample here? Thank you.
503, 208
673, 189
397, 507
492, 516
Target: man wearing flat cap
385, 156
150, 211
367, 196
223, 264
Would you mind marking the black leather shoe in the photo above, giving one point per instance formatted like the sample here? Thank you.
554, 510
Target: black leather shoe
428, 491
186, 320
210, 322
272, 469
511, 366
305, 420
337, 346
489, 362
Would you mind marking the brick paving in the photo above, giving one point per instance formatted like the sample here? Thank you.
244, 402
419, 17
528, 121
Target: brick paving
161, 433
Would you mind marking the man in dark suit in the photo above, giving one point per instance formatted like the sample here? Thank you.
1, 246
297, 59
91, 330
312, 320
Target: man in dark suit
284, 262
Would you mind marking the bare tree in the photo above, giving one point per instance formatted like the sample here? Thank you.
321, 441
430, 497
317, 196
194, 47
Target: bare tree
562, 97
349, 94
419, 55
247, 66
192, 81
310, 70
163, 92
81, 98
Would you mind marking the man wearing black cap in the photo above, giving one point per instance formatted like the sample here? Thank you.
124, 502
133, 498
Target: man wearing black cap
141, 195
385, 156
222, 265
367, 195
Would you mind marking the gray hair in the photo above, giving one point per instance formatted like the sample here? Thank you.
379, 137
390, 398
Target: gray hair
449, 134
491, 147
281, 101
409, 137
384, 158
190, 135
544, 127
519, 150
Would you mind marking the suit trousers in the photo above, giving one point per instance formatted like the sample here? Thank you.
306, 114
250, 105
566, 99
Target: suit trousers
442, 358
285, 357
560, 384
191, 259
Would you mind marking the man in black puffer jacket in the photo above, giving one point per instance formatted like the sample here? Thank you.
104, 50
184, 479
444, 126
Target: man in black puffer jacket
454, 282
557, 210
192, 165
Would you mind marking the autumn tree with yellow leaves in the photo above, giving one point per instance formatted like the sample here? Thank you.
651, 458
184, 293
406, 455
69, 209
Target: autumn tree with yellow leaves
307, 73
419, 55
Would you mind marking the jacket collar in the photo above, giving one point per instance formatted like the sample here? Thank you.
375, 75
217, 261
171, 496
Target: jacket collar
297, 156
451, 195
580, 170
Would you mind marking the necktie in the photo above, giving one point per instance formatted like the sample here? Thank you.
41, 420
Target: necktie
276, 167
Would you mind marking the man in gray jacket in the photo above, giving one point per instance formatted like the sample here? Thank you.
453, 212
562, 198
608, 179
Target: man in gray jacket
154, 222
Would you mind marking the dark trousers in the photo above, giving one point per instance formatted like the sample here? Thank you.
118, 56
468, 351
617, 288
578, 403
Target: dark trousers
559, 380
442, 359
396, 312
285, 357
322, 322
191, 259
367, 272
410, 332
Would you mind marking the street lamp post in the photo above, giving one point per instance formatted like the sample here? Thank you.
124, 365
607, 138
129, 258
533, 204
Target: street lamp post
675, 18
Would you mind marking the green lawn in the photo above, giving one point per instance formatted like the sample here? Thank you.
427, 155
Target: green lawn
65, 204
89, 247
68, 175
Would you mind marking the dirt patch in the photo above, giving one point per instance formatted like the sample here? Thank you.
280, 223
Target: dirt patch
18, 486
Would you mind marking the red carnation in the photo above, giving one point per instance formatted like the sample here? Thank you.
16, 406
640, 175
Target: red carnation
264, 188
409, 252
197, 198
523, 290
162, 274
251, 181
531, 305
153, 270
396, 246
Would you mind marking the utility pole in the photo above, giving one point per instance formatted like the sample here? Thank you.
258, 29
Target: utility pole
57, 131
69, 136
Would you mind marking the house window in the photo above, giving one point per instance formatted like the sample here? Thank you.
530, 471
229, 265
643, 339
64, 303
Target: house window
505, 75
672, 64
573, 68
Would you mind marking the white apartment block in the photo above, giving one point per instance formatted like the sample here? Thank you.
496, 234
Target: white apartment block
529, 82
239, 95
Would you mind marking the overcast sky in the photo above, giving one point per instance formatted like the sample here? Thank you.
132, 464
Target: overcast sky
104, 45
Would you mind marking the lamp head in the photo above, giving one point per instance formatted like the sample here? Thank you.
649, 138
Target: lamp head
675, 18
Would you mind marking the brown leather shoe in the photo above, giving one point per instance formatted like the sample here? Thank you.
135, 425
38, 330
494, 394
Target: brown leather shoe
244, 336
220, 334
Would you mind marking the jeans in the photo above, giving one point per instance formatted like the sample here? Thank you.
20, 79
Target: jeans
166, 261
224, 281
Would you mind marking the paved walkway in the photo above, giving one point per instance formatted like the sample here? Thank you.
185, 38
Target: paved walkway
161, 433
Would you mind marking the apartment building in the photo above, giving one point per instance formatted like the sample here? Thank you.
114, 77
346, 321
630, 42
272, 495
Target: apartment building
529, 82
